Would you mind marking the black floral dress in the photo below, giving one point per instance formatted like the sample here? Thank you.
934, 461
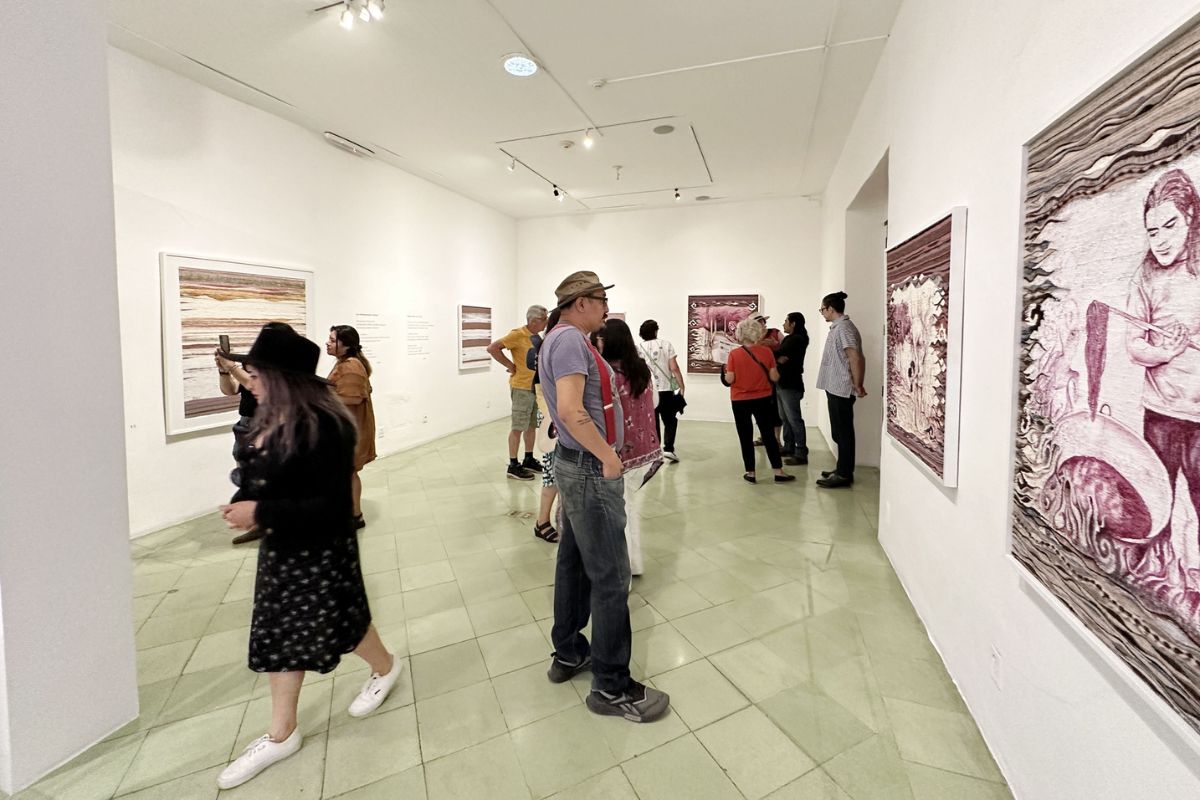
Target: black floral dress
310, 605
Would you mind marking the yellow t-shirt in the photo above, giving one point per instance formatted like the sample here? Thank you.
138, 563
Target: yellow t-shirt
519, 341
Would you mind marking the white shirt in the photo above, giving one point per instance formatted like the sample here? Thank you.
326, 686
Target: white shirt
658, 354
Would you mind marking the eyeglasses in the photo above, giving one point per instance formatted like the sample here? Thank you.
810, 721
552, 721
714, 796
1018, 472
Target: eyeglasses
602, 298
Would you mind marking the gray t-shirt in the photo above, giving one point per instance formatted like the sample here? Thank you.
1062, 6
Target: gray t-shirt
564, 352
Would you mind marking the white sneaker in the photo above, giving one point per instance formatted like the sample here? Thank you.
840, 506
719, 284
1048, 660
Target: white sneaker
376, 690
258, 755
669, 455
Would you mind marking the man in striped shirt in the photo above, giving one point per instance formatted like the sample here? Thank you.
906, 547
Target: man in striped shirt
841, 376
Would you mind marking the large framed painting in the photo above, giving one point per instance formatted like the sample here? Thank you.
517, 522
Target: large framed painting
203, 299
712, 320
1106, 488
474, 335
924, 344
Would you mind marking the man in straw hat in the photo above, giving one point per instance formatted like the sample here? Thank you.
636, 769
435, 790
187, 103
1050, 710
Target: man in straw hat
592, 575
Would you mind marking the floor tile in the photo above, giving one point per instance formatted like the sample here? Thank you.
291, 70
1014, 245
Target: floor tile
626, 740
198, 692
947, 740
487, 586
676, 600
700, 694
431, 600
196, 786
711, 630
438, 630
218, 649
662, 649
527, 695
756, 671
816, 785
446, 669
871, 770
459, 719
423, 575
190, 745
514, 648
173, 628
682, 768
820, 726
609, 785
94, 775
755, 754
490, 770
371, 749
156, 664
929, 783
500, 614
561, 751
407, 785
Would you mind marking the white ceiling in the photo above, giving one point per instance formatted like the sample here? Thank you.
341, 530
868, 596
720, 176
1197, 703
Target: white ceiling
424, 88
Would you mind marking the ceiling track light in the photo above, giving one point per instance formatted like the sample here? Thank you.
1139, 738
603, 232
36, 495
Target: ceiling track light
559, 194
676, 195
512, 165
347, 16
375, 9
589, 141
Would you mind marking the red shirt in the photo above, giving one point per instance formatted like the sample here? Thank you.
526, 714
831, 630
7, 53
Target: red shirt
750, 381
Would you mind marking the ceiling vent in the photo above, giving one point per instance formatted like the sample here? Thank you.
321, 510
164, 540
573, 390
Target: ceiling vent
347, 145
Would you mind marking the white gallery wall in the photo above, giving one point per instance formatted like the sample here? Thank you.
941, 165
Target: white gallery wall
67, 663
960, 89
198, 173
658, 257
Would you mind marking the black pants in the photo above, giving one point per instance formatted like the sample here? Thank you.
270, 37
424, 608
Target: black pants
841, 426
665, 416
760, 411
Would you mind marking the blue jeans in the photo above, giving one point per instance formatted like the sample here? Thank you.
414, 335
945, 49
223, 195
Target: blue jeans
795, 437
592, 575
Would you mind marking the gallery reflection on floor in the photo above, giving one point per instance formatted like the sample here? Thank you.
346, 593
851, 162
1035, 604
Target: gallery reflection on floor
795, 664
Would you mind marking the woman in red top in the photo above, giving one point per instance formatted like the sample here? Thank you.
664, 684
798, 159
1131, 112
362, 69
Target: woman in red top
750, 374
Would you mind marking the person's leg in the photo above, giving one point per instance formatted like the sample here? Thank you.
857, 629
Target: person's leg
546, 504
529, 434
742, 422
789, 437
356, 493
514, 442
799, 427
633, 528
285, 699
845, 460
658, 416
373, 651
835, 422
572, 587
670, 419
764, 414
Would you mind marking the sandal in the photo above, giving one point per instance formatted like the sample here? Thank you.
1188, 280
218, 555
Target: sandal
748, 478
546, 532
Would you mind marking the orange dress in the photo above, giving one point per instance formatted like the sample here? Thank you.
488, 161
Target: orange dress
350, 381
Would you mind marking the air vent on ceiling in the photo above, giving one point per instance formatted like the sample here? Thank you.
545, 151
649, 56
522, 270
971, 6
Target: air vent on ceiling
348, 145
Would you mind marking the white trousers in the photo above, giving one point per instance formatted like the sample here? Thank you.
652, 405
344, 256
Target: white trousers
633, 514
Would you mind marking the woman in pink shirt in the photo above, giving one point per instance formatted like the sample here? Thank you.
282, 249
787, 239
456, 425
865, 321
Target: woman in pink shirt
641, 453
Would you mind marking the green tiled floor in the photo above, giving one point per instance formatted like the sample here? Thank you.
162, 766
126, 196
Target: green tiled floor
796, 666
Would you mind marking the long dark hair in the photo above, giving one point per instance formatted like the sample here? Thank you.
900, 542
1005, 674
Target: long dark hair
1176, 187
348, 336
622, 354
289, 420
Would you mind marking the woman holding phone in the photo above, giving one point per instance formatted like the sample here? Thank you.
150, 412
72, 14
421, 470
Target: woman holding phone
310, 605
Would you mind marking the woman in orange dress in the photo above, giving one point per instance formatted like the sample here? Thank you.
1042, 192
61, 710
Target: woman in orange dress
351, 379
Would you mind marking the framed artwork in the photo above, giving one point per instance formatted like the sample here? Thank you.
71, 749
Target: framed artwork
204, 298
616, 315
1106, 490
924, 344
474, 335
712, 320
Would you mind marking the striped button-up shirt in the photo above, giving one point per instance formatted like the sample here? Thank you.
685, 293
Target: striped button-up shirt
834, 376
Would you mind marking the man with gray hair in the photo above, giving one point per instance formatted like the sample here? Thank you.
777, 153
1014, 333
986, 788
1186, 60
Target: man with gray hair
519, 341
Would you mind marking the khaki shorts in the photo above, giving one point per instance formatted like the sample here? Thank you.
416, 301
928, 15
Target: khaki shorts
524, 409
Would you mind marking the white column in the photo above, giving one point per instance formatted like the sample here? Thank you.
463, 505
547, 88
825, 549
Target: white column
67, 661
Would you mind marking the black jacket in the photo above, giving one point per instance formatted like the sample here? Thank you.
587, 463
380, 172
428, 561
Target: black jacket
791, 372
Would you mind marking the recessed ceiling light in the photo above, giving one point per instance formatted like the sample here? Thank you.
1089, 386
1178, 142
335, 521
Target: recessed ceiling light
519, 65
664, 129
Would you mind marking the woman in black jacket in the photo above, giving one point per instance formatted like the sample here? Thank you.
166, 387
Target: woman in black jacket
790, 390
310, 605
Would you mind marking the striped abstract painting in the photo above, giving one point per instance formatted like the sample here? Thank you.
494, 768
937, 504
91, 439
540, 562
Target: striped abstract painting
474, 335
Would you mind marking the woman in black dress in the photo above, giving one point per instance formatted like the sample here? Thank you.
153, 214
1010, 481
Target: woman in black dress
310, 606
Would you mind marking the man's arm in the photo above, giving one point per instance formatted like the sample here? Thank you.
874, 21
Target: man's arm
579, 424
678, 373
858, 370
496, 351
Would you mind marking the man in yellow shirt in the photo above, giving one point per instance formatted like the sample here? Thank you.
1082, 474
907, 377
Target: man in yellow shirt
519, 341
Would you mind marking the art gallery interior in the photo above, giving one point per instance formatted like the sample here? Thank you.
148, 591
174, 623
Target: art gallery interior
807, 139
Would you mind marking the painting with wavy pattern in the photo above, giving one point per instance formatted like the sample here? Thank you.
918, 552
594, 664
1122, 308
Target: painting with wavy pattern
202, 299
924, 344
1107, 473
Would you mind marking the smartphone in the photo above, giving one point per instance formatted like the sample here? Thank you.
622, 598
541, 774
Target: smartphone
224, 339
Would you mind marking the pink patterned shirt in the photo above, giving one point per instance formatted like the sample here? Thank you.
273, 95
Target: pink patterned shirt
641, 440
